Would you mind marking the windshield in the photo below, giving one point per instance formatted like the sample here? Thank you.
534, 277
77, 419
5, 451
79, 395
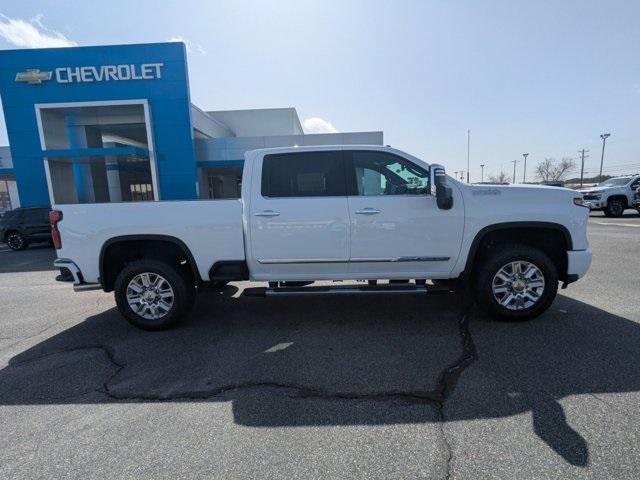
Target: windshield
614, 182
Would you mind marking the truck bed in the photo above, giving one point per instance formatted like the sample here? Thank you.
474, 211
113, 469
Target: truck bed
211, 229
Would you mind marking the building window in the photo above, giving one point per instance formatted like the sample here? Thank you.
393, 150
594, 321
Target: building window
221, 182
141, 192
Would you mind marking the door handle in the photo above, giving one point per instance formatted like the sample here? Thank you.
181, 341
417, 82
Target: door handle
367, 211
267, 213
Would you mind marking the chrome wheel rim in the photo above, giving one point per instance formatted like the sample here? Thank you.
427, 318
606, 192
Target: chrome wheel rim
15, 241
518, 285
150, 295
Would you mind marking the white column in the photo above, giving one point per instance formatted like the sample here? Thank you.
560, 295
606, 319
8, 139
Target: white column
13, 194
113, 179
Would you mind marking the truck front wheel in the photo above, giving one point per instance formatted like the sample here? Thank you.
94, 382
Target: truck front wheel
516, 283
153, 295
615, 208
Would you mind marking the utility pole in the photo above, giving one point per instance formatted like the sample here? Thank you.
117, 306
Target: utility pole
524, 175
582, 156
514, 170
481, 172
468, 155
604, 137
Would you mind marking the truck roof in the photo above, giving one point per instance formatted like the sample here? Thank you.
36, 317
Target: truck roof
319, 148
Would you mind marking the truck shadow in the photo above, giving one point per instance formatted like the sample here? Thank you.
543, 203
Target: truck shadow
341, 361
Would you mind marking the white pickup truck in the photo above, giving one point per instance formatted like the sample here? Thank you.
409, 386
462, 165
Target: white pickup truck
334, 213
612, 196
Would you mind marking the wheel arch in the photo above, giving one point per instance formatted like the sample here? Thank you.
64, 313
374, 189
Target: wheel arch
619, 196
163, 246
544, 235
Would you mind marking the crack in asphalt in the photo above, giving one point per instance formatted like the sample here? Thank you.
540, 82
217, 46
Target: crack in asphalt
447, 381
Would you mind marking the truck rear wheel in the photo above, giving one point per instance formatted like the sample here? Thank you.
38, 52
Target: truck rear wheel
153, 295
16, 241
516, 283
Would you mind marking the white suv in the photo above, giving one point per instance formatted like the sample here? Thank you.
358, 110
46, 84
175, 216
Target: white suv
613, 196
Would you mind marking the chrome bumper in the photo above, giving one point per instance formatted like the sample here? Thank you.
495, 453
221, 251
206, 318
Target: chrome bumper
593, 204
79, 285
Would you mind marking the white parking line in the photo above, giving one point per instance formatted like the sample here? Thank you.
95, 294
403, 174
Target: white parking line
617, 224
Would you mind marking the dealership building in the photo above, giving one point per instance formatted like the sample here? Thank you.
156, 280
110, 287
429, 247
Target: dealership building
116, 124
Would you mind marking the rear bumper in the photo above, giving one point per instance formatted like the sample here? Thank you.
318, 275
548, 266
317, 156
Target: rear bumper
578, 263
75, 275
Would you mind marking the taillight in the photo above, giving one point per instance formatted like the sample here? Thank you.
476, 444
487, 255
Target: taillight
54, 217
578, 201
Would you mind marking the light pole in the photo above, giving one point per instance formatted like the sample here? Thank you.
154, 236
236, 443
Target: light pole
524, 174
582, 156
482, 173
514, 170
468, 145
604, 137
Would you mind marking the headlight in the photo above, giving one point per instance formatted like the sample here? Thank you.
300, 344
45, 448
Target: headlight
597, 197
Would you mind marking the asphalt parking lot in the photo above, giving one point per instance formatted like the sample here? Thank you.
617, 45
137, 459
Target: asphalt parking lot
400, 387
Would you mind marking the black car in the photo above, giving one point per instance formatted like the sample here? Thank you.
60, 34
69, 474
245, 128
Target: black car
22, 226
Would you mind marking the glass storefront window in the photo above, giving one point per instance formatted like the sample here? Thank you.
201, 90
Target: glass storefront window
5, 199
101, 179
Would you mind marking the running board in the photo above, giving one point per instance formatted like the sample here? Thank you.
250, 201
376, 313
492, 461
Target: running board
392, 289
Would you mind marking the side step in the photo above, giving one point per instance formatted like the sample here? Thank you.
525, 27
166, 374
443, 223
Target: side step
386, 289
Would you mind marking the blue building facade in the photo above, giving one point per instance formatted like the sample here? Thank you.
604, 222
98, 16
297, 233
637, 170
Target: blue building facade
116, 123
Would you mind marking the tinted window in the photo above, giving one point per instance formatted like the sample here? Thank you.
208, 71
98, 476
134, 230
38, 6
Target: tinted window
304, 174
380, 173
36, 216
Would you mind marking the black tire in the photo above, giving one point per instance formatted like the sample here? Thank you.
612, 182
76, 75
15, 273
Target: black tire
16, 241
615, 208
490, 265
182, 298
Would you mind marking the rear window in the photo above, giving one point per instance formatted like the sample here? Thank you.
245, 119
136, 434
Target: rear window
303, 174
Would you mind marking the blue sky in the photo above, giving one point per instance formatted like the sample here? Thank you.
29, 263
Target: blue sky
540, 77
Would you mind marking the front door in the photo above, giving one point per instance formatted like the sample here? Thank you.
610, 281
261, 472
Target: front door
299, 218
397, 230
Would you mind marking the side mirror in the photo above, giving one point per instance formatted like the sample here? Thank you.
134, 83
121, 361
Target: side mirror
439, 189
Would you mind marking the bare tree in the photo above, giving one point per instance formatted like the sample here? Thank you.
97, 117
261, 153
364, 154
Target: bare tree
501, 177
550, 170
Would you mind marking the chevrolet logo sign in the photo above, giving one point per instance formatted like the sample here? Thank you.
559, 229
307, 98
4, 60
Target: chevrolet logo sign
33, 76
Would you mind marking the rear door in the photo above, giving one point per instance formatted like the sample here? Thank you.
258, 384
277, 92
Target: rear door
397, 230
299, 220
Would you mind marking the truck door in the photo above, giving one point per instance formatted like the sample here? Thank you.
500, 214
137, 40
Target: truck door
397, 229
299, 220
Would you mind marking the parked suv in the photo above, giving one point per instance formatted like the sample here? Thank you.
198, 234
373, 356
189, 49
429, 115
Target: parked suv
22, 226
613, 196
